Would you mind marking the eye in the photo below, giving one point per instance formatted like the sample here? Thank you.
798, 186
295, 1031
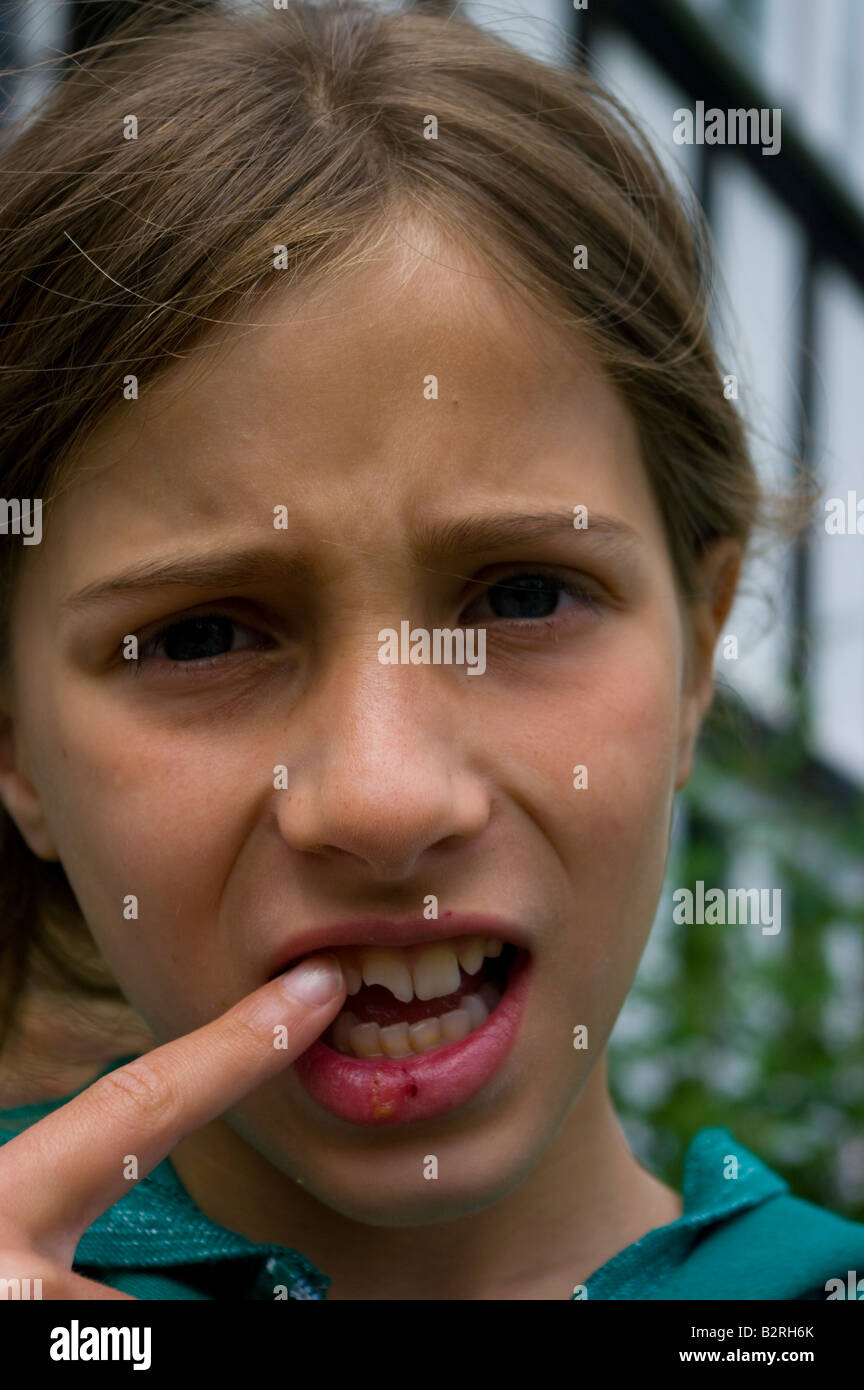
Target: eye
532, 596
202, 638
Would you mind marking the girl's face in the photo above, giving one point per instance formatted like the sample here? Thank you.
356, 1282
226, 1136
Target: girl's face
308, 487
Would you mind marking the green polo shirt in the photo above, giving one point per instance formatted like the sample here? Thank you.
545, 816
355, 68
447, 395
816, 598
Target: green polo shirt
738, 1238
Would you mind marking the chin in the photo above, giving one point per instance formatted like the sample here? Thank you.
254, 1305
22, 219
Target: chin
384, 1182
373, 1203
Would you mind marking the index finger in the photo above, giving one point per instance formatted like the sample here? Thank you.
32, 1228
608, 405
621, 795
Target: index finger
60, 1174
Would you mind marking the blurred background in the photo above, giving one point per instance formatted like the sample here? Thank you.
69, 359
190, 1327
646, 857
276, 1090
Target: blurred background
726, 1025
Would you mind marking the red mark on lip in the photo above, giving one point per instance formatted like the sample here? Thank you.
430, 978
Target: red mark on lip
382, 1085
381, 1109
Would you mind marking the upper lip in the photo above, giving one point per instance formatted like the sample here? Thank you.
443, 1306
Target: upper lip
388, 931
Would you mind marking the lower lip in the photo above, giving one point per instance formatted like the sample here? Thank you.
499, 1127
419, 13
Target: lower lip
389, 1091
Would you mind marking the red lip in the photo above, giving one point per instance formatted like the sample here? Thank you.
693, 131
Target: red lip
388, 931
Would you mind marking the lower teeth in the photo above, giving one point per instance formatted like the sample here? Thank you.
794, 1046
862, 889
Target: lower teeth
356, 1039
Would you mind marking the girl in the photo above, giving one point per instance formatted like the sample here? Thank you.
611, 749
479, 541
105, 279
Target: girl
337, 337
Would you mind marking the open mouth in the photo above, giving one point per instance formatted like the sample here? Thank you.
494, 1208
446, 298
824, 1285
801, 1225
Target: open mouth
418, 999
424, 1027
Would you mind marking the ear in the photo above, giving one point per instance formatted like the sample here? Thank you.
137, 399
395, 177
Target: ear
19, 796
715, 581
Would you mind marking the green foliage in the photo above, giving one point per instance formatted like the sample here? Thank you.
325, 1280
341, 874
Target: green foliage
759, 1033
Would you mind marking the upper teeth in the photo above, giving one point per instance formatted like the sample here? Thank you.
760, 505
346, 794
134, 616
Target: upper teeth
426, 972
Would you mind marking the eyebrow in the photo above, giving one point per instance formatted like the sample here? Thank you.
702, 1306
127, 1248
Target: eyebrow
466, 536
473, 535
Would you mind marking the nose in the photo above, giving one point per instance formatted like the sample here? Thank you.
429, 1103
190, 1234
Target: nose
380, 774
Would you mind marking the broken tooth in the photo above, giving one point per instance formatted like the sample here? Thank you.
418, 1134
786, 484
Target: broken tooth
494, 947
436, 972
382, 966
470, 953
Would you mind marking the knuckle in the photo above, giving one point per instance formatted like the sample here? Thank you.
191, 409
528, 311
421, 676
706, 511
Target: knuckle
241, 1032
141, 1089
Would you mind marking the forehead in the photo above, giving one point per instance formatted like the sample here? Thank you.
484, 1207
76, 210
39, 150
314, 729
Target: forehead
372, 342
418, 383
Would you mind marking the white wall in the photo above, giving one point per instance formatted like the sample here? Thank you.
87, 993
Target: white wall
837, 633
539, 27
760, 254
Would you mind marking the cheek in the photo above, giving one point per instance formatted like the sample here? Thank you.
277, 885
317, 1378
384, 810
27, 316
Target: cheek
630, 737
617, 716
631, 741
614, 713
138, 814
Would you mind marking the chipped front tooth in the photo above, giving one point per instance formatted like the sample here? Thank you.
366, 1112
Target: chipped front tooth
476, 1010
455, 1026
353, 978
471, 954
382, 966
424, 1034
365, 1040
343, 1027
436, 972
394, 1040
490, 995
494, 947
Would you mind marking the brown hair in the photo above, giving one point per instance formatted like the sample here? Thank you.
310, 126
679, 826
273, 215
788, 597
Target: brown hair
304, 127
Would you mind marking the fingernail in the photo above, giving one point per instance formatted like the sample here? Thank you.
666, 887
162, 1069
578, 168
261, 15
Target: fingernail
314, 981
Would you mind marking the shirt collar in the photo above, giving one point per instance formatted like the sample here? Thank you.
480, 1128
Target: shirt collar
721, 1180
158, 1225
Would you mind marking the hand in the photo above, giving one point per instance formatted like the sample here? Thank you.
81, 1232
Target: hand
61, 1173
